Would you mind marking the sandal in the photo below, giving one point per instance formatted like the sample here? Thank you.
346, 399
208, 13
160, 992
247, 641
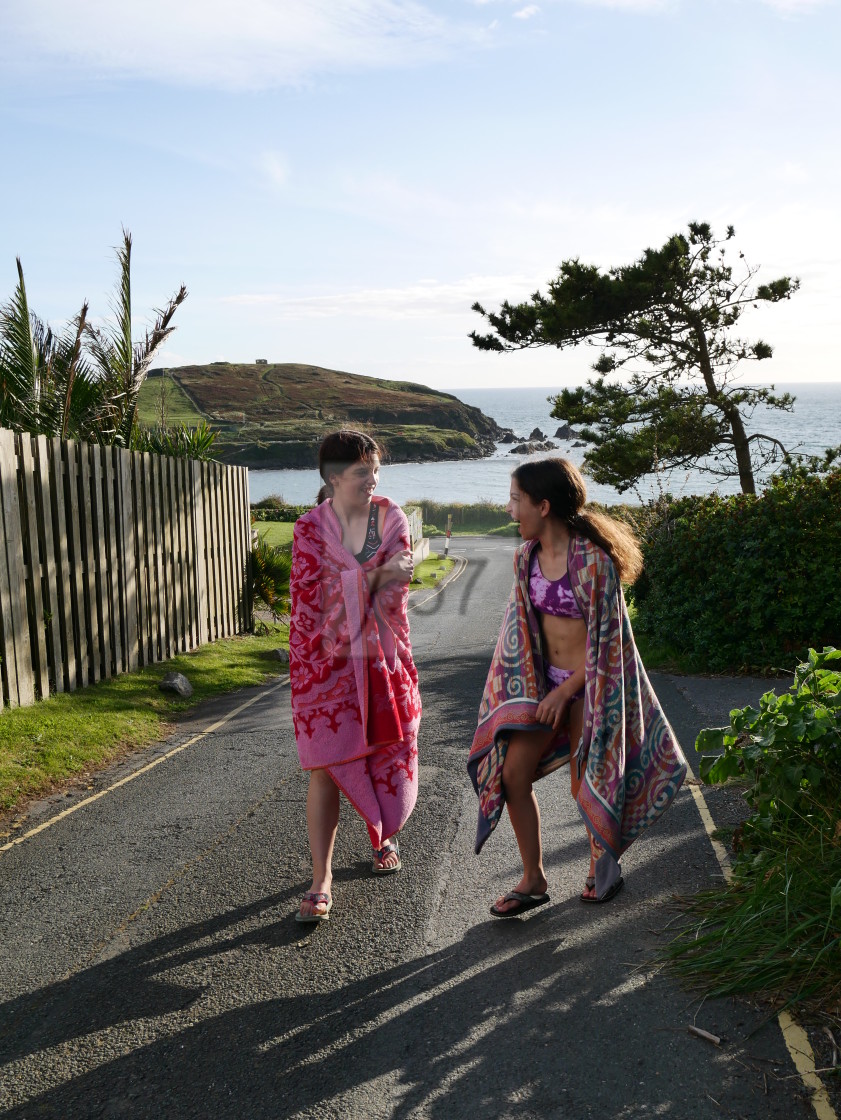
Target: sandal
389, 847
522, 901
317, 898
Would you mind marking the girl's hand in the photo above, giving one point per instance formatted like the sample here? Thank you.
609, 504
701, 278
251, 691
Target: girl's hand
397, 568
554, 707
400, 567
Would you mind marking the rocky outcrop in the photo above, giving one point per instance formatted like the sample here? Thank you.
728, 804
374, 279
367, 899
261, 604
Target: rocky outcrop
533, 446
537, 434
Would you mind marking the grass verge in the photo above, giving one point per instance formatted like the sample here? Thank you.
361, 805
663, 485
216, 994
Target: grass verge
772, 931
431, 571
72, 734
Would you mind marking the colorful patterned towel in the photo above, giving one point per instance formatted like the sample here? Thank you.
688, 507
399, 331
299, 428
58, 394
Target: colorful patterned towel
633, 766
355, 701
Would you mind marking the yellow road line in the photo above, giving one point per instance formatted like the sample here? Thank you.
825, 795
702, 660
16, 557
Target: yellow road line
143, 769
795, 1038
462, 560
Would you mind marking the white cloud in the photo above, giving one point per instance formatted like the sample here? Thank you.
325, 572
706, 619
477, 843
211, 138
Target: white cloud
256, 44
527, 12
422, 300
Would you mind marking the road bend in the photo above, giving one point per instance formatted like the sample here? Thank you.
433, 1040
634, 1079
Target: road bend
150, 965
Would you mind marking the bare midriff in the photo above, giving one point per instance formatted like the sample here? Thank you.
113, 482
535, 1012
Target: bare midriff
564, 641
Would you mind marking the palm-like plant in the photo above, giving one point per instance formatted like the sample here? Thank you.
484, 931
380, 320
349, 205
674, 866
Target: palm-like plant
271, 567
178, 440
121, 364
45, 384
82, 382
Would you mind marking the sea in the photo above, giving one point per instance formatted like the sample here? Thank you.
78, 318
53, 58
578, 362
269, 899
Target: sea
813, 426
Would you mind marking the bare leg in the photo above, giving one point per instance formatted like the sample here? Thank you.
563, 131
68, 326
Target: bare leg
322, 822
576, 717
521, 759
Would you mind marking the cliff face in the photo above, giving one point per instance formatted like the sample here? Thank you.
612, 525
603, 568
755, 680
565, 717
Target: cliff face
275, 415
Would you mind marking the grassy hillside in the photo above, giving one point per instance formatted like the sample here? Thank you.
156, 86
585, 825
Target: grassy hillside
275, 415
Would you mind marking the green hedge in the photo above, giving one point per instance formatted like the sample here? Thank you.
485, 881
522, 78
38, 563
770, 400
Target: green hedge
284, 513
477, 515
745, 583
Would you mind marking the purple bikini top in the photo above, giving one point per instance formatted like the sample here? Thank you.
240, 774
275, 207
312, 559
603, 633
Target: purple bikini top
551, 596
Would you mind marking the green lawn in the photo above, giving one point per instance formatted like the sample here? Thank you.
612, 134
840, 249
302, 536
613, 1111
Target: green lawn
277, 533
179, 408
71, 734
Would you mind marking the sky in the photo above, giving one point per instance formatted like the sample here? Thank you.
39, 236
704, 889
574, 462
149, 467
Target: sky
337, 181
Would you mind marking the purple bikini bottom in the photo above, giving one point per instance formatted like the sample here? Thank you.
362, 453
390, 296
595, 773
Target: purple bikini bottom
554, 677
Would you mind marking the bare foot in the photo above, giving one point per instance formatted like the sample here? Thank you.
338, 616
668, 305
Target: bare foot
536, 885
387, 858
308, 908
589, 891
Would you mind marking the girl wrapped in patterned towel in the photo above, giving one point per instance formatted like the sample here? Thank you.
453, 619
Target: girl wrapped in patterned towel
566, 686
355, 701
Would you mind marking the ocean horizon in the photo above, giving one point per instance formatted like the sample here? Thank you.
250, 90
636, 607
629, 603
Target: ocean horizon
813, 426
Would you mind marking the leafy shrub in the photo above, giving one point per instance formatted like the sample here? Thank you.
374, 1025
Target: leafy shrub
744, 582
271, 501
774, 928
278, 513
787, 749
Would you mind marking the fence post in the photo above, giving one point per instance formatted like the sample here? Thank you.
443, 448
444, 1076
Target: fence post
17, 653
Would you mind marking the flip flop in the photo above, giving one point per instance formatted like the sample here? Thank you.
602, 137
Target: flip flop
315, 897
610, 893
589, 885
524, 902
380, 854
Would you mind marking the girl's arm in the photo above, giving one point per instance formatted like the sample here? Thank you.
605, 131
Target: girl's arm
397, 567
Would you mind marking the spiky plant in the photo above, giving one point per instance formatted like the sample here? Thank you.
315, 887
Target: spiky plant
45, 384
120, 363
271, 567
177, 440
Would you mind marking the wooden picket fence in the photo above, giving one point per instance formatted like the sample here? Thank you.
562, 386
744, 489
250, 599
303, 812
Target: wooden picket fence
111, 560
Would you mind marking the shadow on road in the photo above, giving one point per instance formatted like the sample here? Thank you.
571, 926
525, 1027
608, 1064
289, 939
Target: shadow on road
485, 1024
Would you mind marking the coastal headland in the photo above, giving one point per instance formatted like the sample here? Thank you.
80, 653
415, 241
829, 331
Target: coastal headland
273, 415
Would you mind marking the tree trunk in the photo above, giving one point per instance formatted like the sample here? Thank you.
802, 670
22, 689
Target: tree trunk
734, 417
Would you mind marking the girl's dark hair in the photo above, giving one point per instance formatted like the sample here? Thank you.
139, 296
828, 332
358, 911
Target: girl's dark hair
341, 450
561, 484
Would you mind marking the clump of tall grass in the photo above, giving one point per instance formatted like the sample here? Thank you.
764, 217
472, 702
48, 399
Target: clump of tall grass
774, 929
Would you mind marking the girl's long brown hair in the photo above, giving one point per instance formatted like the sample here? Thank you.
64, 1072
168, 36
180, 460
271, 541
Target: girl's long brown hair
561, 484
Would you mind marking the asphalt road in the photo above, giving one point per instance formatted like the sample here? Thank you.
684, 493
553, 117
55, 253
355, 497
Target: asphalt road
150, 965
